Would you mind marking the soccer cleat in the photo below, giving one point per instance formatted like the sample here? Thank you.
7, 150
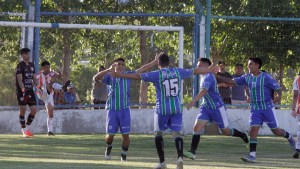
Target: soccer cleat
296, 153
27, 133
249, 159
179, 163
123, 157
189, 155
107, 156
292, 143
50, 133
162, 165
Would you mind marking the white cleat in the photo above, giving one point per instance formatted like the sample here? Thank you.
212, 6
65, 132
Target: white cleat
179, 163
107, 156
162, 165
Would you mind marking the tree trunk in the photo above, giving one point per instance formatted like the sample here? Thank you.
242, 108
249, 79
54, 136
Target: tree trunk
67, 57
144, 60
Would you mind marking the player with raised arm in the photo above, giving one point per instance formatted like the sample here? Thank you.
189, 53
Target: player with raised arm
25, 95
118, 104
262, 109
211, 109
168, 111
45, 91
296, 111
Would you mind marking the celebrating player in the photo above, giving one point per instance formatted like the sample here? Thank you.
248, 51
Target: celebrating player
45, 91
211, 109
262, 109
118, 114
168, 112
25, 94
296, 111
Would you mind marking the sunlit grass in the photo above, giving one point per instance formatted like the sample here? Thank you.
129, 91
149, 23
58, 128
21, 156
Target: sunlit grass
87, 151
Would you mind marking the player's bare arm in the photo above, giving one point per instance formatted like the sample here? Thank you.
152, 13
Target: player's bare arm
199, 70
128, 76
101, 74
150, 65
20, 82
278, 94
225, 80
198, 97
294, 103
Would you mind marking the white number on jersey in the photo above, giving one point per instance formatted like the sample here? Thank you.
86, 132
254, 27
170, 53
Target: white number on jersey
171, 87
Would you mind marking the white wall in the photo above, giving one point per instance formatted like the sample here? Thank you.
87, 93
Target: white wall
93, 121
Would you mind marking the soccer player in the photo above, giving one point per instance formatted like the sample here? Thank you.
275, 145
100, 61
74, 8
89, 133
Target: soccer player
296, 111
262, 109
211, 109
25, 94
45, 91
118, 104
168, 112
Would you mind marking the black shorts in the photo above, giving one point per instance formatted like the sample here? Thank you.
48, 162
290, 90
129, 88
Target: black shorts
30, 102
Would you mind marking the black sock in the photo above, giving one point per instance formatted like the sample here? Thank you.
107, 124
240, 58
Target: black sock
237, 133
108, 148
253, 144
286, 135
159, 142
179, 146
194, 144
29, 119
22, 121
124, 152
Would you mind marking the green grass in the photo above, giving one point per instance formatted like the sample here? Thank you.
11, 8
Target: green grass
86, 152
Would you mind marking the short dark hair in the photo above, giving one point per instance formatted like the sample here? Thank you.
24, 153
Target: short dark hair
221, 62
256, 60
44, 63
164, 60
239, 64
119, 59
206, 60
24, 51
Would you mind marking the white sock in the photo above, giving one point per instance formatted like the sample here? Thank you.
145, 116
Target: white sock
57, 86
50, 124
253, 153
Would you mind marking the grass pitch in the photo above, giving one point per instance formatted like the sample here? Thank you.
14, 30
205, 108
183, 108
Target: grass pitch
86, 152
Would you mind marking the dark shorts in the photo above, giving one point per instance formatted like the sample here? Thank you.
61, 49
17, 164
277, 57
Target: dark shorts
169, 121
116, 120
219, 116
30, 102
257, 117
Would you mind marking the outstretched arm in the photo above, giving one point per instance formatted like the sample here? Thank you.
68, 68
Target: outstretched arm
225, 80
210, 69
198, 97
101, 74
129, 76
148, 66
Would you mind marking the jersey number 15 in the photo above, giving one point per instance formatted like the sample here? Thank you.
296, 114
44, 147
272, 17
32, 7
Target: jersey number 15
171, 87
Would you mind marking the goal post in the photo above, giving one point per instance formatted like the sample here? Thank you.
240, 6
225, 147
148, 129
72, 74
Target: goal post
178, 29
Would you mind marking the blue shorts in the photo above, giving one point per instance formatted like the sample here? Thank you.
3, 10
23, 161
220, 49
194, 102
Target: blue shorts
118, 119
169, 121
257, 117
219, 116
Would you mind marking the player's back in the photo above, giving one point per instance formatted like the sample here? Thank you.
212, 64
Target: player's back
167, 82
212, 98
